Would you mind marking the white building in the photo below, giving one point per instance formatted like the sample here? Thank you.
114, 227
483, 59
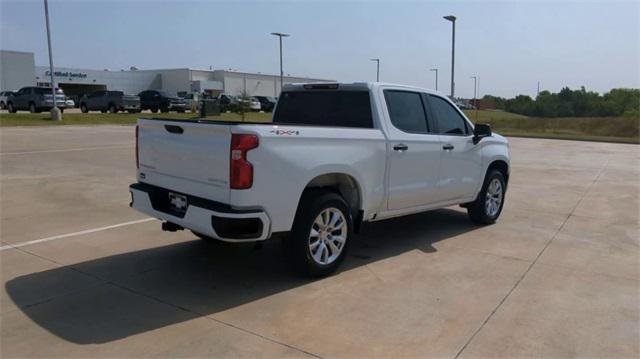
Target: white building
17, 69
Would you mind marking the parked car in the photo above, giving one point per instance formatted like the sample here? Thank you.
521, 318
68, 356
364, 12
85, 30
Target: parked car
112, 101
227, 102
155, 100
69, 103
336, 156
267, 103
192, 102
35, 99
3, 98
254, 104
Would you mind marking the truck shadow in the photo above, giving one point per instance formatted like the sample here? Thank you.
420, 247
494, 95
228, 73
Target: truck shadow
145, 290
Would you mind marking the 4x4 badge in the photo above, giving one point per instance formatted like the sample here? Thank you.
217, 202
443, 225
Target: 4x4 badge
285, 132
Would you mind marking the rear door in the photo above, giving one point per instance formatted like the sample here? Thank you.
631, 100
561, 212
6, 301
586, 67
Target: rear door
414, 151
185, 157
461, 165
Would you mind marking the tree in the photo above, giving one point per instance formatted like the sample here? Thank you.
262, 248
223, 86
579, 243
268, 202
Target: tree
244, 104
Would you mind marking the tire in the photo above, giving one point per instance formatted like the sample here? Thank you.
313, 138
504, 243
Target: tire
10, 108
131, 111
83, 108
2, 105
164, 109
181, 111
154, 109
112, 109
318, 208
487, 207
32, 107
103, 111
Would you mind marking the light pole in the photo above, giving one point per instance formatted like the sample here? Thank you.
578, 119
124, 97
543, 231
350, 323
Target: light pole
436, 71
475, 86
56, 115
453, 51
280, 35
377, 69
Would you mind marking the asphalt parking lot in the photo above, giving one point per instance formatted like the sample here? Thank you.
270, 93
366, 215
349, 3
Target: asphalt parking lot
84, 275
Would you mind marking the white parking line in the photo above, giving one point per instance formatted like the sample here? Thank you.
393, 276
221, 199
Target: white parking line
66, 150
62, 236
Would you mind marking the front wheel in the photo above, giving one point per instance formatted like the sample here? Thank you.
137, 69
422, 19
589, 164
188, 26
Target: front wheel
320, 236
487, 207
112, 109
84, 108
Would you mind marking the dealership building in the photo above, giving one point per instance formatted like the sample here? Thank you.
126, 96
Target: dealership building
18, 69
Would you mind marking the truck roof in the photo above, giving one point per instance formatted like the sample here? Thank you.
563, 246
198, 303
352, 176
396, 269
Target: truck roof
351, 86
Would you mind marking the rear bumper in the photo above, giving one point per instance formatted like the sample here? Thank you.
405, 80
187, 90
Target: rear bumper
204, 216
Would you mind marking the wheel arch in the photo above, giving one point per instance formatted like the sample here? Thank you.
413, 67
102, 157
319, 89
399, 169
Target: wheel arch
501, 166
346, 185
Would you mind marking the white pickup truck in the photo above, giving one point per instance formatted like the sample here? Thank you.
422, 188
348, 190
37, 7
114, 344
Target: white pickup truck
334, 156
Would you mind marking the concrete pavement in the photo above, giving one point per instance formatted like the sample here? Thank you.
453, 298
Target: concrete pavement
557, 276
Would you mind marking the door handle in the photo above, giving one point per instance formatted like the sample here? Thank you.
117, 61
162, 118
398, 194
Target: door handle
174, 129
448, 147
400, 147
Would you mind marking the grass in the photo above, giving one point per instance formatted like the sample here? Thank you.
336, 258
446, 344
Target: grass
42, 119
608, 129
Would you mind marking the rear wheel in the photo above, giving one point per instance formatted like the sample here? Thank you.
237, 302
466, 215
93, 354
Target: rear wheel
32, 107
83, 108
320, 236
487, 207
2, 105
10, 108
154, 109
112, 109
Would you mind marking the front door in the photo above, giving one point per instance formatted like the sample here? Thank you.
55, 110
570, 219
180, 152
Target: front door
414, 152
461, 165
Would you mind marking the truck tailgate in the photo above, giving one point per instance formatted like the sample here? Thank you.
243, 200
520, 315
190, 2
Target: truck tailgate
186, 157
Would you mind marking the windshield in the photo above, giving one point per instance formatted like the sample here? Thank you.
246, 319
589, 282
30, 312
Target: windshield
325, 108
165, 94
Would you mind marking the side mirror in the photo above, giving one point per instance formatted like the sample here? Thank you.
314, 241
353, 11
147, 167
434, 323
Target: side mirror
481, 131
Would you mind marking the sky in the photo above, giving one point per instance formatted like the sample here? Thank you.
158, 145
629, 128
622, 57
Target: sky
510, 45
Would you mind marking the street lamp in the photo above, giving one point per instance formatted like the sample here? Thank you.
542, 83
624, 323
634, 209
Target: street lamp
377, 69
436, 71
453, 50
56, 115
475, 87
280, 35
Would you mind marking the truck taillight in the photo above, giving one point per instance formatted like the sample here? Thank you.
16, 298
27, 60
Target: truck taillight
137, 158
241, 170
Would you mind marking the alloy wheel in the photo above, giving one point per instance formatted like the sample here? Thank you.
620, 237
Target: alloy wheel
328, 236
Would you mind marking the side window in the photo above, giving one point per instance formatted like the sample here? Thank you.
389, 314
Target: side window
406, 110
448, 120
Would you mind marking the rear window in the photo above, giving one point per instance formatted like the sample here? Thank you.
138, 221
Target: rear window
325, 108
